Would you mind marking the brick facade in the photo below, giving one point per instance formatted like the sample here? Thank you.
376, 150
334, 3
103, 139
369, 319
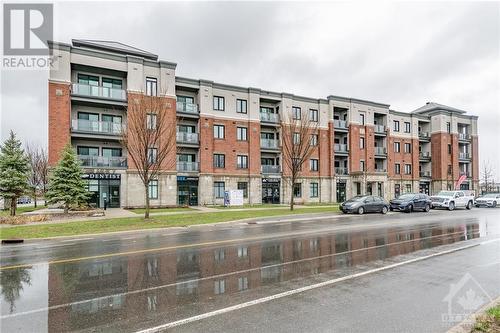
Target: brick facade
59, 119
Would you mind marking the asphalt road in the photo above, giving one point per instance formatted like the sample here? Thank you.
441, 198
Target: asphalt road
316, 273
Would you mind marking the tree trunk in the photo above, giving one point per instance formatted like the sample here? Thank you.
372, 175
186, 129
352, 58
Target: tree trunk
66, 208
291, 196
34, 197
146, 213
13, 203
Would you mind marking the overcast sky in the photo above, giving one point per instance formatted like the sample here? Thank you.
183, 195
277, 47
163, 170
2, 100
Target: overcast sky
403, 54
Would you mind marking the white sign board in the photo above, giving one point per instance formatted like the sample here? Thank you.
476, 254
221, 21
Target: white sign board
234, 198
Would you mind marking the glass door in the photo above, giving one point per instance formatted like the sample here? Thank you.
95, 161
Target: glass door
114, 196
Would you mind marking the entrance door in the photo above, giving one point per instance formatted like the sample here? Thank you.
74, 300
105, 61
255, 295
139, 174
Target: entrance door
271, 193
341, 187
193, 195
114, 196
424, 188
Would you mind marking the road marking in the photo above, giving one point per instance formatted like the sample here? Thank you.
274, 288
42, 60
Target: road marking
294, 292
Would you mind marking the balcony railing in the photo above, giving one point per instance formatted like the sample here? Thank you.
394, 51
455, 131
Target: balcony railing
424, 155
340, 147
270, 168
269, 143
269, 117
464, 156
342, 124
380, 129
188, 166
380, 151
98, 127
187, 107
99, 91
425, 174
102, 161
464, 136
185, 137
341, 171
423, 135
380, 170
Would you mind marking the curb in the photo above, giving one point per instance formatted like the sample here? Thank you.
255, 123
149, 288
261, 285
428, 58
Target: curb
467, 325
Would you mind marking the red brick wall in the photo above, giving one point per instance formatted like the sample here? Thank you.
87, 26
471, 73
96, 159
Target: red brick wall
59, 119
355, 154
440, 157
402, 158
370, 148
475, 158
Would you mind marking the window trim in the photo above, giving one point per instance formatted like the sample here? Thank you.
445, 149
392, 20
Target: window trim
217, 188
219, 127
296, 116
217, 158
313, 190
219, 99
153, 184
314, 164
239, 104
242, 130
244, 158
395, 126
314, 115
152, 80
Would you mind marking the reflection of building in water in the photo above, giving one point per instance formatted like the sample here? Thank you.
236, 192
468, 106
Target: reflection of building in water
139, 287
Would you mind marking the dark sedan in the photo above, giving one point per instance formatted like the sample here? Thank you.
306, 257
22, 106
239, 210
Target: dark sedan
410, 202
365, 204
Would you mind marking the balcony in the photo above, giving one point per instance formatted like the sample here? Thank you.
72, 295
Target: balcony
97, 127
380, 170
380, 129
102, 161
465, 173
341, 171
463, 156
380, 151
424, 136
340, 124
425, 174
188, 108
190, 138
464, 137
188, 166
270, 169
87, 90
424, 155
340, 148
269, 117
269, 144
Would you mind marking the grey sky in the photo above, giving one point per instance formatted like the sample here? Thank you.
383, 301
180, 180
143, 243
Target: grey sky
403, 54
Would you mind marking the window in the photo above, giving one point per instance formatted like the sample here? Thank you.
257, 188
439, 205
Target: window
242, 283
361, 143
314, 139
152, 155
242, 252
314, 190
219, 190
362, 165
219, 287
407, 169
362, 118
314, 163
241, 106
242, 162
244, 187
313, 115
111, 152
407, 148
449, 169
218, 103
408, 188
296, 113
448, 127
151, 121
297, 190
219, 131
151, 86
296, 138
397, 147
153, 189
397, 168
241, 133
219, 161
397, 190
396, 125
449, 148
407, 127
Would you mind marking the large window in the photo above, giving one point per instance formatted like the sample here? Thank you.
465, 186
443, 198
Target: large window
314, 190
242, 162
396, 125
241, 133
153, 189
296, 113
314, 139
407, 148
110, 87
397, 168
313, 115
244, 187
241, 106
297, 190
87, 151
314, 164
151, 86
219, 190
151, 121
219, 131
219, 161
218, 103
407, 127
397, 147
407, 169
152, 155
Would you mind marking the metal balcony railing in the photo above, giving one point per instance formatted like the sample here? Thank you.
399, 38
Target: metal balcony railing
270, 168
342, 124
379, 129
380, 151
102, 161
340, 147
188, 166
341, 171
464, 136
99, 91
185, 137
425, 174
269, 143
269, 117
424, 155
187, 107
98, 127
464, 156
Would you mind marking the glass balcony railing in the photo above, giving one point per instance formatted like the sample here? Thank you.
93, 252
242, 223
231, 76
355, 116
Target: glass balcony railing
380, 170
340, 147
423, 135
270, 168
99, 91
380, 129
464, 156
103, 162
188, 166
341, 171
269, 117
340, 124
97, 127
464, 136
187, 107
269, 143
424, 155
380, 151
425, 174
187, 137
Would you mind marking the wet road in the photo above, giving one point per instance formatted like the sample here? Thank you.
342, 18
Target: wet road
135, 281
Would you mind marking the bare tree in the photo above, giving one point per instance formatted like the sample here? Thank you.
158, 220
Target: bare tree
43, 171
487, 176
150, 139
38, 172
296, 135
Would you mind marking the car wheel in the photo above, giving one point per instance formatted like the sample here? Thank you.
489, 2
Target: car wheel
409, 209
384, 210
451, 206
494, 204
469, 205
427, 208
361, 210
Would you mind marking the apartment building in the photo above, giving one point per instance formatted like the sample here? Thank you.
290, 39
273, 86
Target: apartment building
228, 137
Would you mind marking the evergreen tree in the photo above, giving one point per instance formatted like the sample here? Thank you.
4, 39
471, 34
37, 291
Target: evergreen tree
66, 184
13, 171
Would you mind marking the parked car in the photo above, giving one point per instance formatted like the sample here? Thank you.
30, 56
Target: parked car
453, 199
365, 204
410, 202
23, 200
488, 200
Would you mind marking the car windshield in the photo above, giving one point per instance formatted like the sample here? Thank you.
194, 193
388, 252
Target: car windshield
406, 196
358, 198
490, 195
446, 193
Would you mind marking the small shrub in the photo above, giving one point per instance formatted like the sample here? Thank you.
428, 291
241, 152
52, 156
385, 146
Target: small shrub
23, 219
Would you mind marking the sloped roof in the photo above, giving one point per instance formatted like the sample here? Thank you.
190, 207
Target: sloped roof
113, 46
431, 106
